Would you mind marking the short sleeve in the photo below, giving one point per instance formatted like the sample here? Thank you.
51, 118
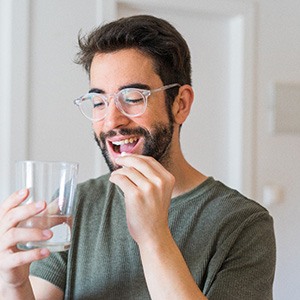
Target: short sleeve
248, 270
52, 269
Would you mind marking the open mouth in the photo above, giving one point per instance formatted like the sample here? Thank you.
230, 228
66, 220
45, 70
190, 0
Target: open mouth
126, 145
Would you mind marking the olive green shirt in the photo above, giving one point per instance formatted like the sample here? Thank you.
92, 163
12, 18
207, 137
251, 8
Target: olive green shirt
226, 240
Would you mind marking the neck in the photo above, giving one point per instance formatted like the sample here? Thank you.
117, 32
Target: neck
186, 176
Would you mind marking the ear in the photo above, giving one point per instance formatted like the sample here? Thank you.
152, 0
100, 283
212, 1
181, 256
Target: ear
183, 103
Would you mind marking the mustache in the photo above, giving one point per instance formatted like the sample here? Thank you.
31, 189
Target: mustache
124, 131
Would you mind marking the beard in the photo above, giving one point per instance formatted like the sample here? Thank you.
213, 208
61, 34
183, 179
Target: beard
157, 142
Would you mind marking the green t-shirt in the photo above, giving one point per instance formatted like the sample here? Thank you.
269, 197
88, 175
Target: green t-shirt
226, 240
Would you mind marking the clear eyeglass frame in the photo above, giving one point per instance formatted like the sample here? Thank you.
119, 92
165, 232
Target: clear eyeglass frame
130, 107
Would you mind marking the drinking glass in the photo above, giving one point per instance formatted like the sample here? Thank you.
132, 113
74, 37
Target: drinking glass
55, 183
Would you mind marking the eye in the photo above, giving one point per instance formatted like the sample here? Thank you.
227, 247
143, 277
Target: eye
99, 105
98, 102
132, 97
133, 101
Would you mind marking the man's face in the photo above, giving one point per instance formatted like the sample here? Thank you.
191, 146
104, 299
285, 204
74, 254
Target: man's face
149, 134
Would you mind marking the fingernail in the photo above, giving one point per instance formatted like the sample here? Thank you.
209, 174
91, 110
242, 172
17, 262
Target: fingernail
39, 204
47, 233
22, 193
44, 252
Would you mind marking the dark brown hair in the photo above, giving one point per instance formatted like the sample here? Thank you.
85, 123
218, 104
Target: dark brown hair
150, 35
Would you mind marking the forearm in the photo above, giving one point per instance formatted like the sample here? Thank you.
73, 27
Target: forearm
166, 272
21, 292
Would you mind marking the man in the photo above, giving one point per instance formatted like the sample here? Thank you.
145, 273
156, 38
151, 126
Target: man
154, 227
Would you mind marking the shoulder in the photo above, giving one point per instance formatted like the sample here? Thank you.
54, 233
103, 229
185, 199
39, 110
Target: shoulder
232, 200
214, 194
223, 197
220, 206
235, 213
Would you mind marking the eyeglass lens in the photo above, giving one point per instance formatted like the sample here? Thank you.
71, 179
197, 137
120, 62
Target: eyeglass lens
130, 102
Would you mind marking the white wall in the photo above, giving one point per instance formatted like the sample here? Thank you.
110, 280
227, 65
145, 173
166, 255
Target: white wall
278, 155
46, 74
39, 82
54, 78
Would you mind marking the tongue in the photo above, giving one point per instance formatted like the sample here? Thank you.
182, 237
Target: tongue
127, 147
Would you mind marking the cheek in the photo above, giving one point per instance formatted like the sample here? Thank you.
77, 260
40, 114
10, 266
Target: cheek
156, 113
97, 127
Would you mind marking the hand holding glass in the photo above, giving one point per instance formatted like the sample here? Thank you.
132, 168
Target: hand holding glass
54, 183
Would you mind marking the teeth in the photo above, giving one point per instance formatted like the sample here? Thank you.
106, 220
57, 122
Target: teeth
126, 141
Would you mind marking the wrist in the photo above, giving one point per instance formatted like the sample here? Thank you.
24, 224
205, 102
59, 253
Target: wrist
157, 244
21, 291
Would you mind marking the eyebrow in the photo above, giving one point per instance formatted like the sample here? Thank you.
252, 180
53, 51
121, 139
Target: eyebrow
132, 85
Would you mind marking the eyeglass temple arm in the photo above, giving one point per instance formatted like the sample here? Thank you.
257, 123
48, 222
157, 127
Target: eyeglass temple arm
165, 87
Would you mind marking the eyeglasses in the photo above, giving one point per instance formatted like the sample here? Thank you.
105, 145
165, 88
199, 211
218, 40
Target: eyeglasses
132, 102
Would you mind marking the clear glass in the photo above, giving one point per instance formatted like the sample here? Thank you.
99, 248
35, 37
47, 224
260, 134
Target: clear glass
132, 102
55, 183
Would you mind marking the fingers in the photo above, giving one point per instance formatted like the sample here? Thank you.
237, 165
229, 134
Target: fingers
144, 164
17, 214
143, 172
14, 264
22, 258
12, 201
12, 213
143, 177
147, 187
128, 178
23, 235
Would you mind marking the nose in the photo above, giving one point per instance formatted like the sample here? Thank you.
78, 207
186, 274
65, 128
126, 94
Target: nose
114, 117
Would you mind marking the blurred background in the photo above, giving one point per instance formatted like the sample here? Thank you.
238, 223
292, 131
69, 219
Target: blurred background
244, 128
